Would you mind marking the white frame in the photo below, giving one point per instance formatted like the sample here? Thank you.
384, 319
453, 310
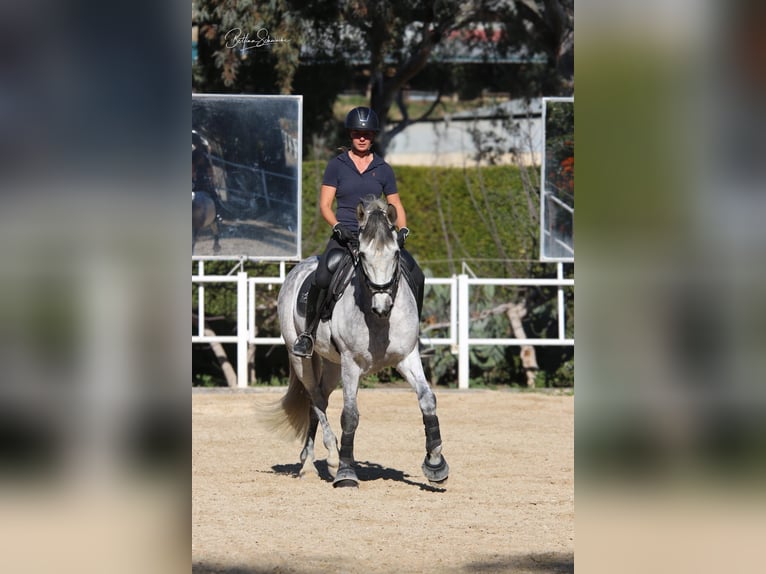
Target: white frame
296, 256
543, 256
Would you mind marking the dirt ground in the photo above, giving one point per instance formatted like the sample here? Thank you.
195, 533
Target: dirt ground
248, 237
508, 505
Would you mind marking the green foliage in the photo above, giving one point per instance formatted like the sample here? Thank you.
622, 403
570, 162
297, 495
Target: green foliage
271, 381
449, 212
204, 380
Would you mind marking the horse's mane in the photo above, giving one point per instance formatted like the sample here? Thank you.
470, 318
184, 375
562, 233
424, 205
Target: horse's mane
378, 228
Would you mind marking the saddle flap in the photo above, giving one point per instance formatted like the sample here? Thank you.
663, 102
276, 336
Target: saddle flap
340, 279
303, 294
342, 265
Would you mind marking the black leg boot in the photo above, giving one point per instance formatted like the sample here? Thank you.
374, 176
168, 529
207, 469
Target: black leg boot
304, 344
418, 284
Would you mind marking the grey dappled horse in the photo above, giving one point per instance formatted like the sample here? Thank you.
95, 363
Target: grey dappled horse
203, 215
374, 325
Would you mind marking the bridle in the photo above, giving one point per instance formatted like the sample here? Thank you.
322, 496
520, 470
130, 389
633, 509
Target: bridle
389, 288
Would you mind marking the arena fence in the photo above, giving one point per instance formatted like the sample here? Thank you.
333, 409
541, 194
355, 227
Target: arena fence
458, 337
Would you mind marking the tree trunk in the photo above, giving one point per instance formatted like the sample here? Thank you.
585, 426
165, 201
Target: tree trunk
223, 359
515, 313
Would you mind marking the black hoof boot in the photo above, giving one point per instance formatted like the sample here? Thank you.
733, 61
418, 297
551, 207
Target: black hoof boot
345, 478
436, 473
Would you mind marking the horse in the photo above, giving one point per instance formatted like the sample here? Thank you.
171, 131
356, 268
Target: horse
203, 215
374, 324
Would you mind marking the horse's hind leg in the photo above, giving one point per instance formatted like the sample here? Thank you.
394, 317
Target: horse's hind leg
435, 466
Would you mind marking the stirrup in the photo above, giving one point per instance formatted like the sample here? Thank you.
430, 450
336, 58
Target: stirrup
304, 345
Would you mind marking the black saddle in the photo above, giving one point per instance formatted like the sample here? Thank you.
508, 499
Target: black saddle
341, 264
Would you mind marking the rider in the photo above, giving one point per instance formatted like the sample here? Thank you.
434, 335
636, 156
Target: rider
202, 177
347, 179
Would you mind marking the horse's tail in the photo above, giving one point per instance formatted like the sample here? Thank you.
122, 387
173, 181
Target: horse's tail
291, 415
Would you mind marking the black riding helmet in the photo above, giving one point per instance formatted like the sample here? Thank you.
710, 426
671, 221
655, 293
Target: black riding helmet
362, 119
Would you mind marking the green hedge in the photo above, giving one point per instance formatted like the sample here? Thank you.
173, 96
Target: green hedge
450, 213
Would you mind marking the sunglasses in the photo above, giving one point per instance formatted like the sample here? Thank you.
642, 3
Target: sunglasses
356, 134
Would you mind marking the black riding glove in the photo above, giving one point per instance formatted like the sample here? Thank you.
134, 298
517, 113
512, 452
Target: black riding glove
402, 236
343, 235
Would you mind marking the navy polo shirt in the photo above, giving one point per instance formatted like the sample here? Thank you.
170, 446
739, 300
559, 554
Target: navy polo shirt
351, 186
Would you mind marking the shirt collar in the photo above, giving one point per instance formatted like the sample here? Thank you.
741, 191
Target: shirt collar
376, 160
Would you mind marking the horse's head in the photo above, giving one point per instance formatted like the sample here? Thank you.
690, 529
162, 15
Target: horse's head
379, 252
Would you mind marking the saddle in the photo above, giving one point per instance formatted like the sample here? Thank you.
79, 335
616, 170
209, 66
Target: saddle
341, 264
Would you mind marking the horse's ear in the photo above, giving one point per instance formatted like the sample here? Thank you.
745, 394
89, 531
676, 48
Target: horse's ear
360, 212
391, 214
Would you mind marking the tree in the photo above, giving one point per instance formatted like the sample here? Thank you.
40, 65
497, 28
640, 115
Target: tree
265, 47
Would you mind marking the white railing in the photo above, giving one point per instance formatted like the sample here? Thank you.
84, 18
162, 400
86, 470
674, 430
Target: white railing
458, 338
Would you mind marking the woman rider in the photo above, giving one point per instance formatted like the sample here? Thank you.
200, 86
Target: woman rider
347, 179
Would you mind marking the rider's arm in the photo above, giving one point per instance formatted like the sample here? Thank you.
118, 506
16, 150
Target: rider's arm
326, 198
401, 215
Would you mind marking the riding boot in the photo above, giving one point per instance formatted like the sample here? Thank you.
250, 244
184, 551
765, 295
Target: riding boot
419, 281
419, 295
304, 344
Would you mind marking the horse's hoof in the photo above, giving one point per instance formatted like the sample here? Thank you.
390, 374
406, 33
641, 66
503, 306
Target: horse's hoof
436, 473
345, 483
346, 477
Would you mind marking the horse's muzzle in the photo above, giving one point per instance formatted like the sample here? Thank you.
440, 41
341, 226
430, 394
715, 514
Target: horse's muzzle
381, 304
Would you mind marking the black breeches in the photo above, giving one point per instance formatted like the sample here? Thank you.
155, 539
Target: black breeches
418, 278
415, 271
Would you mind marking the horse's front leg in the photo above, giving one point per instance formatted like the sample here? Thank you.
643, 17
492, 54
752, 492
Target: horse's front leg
435, 466
314, 375
349, 420
307, 454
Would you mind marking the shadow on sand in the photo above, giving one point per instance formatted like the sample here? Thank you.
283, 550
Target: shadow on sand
539, 563
365, 471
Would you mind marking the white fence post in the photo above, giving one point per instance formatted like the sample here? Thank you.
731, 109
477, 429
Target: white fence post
463, 316
242, 329
561, 307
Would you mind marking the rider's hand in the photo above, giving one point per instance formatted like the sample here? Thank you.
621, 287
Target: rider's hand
402, 236
343, 235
